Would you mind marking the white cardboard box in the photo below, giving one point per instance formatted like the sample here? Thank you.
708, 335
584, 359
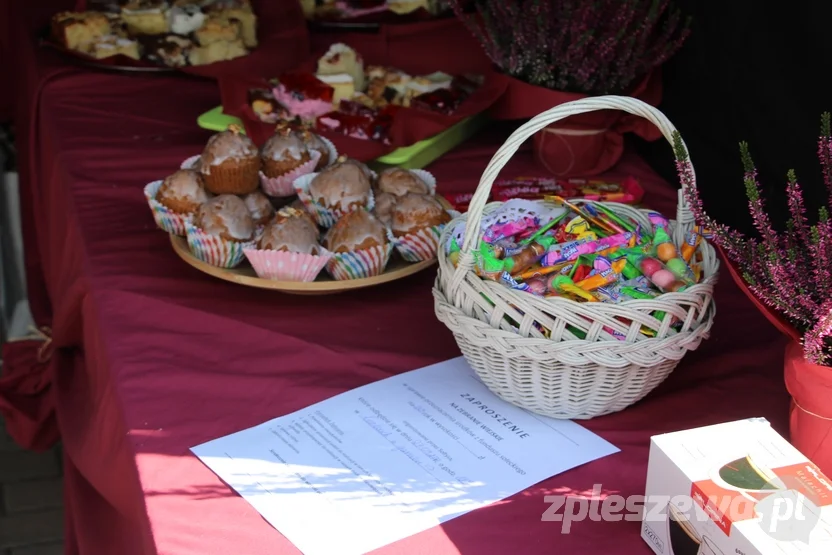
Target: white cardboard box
735, 489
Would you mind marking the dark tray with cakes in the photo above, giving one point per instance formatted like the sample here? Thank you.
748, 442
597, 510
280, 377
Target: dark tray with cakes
370, 15
153, 35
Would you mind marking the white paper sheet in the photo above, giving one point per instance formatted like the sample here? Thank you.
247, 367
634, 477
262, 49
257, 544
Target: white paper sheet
393, 458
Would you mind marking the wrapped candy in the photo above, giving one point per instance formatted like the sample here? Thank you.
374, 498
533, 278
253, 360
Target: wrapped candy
563, 284
666, 251
505, 230
657, 273
571, 251
658, 221
607, 273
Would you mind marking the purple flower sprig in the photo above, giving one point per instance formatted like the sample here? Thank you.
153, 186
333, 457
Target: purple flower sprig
789, 271
597, 47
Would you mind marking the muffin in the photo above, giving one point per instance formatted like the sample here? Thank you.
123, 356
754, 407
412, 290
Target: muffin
230, 163
298, 205
360, 165
383, 210
183, 192
260, 207
225, 217
341, 188
290, 231
283, 152
399, 182
314, 142
356, 231
413, 213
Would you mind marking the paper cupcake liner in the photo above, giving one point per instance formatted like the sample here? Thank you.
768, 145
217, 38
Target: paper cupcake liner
333, 152
213, 250
428, 178
359, 264
287, 266
282, 186
166, 219
420, 246
324, 217
189, 163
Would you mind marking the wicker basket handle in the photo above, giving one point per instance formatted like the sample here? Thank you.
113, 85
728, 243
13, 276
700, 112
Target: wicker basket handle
473, 231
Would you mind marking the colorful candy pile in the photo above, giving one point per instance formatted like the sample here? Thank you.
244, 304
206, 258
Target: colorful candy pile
584, 253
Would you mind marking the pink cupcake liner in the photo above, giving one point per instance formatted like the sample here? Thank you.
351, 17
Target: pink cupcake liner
359, 264
189, 163
420, 246
166, 219
287, 266
282, 186
213, 250
324, 217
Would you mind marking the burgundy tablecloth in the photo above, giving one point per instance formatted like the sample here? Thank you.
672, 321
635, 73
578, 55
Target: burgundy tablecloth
153, 357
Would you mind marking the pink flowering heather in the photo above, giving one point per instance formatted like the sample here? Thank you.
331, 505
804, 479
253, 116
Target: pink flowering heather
789, 271
591, 47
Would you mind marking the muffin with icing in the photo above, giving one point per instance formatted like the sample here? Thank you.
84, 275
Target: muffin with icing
399, 182
383, 209
283, 152
298, 205
288, 250
357, 231
260, 207
226, 217
413, 213
341, 188
183, 192
230, 163
316, 143
360, 245
290, 231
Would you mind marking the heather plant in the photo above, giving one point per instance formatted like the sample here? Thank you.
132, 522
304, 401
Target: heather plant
592, 47
788, 270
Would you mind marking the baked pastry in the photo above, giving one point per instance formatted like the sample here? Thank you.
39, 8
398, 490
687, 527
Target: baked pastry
383, 210
298, 205
226, 217
183, 192
218, 29
399, 182
290, 231
340, 59
185, 19
241, 11
342, 84
314, 142
303, 94
112, 45
75, 30
403, 7
283, 152
231, 163
216, 52
260, 207
360, 165
341, 187
170, 50
358, 230
146, 17
415, 212
266, 107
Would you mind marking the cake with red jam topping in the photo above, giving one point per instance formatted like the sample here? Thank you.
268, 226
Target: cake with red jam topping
230, 163
304, 95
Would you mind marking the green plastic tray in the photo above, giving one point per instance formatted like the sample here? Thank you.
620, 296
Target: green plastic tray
415, 156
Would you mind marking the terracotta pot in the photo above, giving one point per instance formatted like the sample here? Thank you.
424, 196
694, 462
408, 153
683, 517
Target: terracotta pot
810, 420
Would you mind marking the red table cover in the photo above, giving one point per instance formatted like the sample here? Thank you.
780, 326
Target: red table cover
152, 357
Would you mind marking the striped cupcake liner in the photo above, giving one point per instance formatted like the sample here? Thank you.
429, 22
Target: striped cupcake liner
287, 266
214, 250
420, 246
282, 186
166, 219
324, 217
359, 264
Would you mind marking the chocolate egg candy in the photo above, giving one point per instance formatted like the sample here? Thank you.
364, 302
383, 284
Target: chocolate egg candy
666, 251
678, 267
650, 266
663, 279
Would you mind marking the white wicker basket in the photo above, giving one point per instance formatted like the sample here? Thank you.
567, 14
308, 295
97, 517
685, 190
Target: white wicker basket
560, 375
